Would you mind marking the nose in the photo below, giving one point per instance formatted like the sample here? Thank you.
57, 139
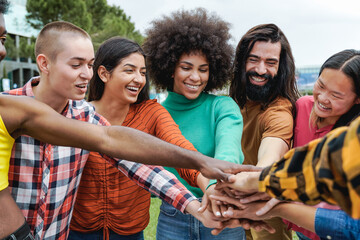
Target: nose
2, 51
139, 78
260, 68
87, 72
194, 76
324, 97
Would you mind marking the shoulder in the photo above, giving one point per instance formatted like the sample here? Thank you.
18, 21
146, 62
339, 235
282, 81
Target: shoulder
305, 101
149, 111
304, 105
150, 105
279, 112
223, 101
281, 102
279, 106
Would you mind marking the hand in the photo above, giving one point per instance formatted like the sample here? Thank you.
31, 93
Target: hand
268, 206
223, 170
245, 182
206, 217
216, 208
255, 197
272, 202
246, 224
229, 201
250, 211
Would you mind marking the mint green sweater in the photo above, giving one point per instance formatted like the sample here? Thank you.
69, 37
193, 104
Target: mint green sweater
213, 124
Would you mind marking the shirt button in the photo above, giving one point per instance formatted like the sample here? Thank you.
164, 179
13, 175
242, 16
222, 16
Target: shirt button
328, 237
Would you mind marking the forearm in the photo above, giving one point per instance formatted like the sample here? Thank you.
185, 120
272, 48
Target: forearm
144, 148
202, 182
301, 215
270, 151
157, 181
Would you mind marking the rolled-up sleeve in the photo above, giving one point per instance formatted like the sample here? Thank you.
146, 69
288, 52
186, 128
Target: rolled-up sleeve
336, 224
326, 169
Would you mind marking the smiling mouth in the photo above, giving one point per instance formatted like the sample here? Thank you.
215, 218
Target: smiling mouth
323, 107
132, 89
81, 85
257, 79
195, 87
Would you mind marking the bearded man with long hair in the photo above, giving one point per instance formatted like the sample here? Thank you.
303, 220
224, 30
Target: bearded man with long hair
264, 87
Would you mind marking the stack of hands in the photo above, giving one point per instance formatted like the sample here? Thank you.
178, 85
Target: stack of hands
237, 203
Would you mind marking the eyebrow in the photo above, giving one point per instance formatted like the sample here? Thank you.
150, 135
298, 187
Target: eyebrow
267, 59
132, 65
129, 64
189, 63
81, 59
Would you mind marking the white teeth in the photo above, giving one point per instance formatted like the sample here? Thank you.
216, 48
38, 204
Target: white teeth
191, 86
257, 79
81, 86
323, 106
133, 88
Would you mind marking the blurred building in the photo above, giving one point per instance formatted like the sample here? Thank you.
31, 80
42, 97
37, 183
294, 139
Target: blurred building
306, 77
15, 67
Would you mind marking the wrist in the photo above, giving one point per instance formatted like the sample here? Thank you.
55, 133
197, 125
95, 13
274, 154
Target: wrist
192, 207
279, 210
253, 180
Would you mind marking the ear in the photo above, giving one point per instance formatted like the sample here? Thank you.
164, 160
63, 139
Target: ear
43, 63
103, 73
357, 101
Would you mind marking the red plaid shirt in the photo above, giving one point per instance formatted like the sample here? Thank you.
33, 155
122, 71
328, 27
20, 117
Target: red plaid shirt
44, 178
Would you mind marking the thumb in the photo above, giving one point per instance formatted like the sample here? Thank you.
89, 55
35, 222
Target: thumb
204, 203
268, 206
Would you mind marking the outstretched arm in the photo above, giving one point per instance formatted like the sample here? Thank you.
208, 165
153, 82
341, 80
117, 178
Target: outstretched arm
23, 115
325, 169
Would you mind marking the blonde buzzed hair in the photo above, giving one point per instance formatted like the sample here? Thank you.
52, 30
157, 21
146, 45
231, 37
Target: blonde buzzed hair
49, 40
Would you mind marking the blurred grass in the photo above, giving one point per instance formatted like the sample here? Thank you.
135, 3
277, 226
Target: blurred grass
150, 231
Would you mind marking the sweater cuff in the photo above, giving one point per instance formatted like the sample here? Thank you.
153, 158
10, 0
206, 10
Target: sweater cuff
211, 182
183, 201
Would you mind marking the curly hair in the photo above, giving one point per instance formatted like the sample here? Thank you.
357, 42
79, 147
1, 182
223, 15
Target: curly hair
4, 5
286, 85
186, 32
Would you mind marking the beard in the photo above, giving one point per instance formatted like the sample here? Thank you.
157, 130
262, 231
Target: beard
259, 93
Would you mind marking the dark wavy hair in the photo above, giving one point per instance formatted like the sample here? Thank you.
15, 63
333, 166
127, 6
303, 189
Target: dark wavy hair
348, 62
4, 6
286, 83
186, 32
110, 54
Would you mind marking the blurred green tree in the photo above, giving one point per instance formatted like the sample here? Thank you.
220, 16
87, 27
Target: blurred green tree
99, 19
41, 12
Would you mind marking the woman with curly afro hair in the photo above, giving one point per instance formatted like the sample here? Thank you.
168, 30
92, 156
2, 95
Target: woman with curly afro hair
188, 55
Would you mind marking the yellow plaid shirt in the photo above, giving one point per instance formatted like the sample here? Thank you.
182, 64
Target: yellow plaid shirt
326, 169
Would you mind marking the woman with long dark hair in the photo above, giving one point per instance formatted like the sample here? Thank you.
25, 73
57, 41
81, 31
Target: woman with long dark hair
109, 204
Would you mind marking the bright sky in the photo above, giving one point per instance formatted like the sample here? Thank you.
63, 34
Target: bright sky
316, 29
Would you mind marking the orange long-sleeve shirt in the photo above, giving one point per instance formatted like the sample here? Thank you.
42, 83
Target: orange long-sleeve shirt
106, 198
